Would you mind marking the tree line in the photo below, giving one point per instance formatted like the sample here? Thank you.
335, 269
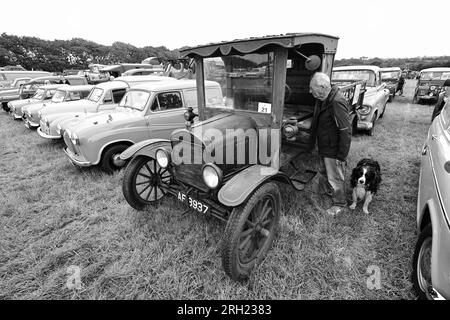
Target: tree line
57, 55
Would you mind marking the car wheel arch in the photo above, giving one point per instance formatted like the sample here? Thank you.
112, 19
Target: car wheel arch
111, 144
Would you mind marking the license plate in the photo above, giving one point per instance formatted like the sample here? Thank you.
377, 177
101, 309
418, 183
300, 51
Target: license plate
193, 203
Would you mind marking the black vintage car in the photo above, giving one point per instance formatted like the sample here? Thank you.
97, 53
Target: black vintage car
229, 164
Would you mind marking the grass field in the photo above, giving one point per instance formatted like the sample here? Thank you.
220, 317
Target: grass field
53, 216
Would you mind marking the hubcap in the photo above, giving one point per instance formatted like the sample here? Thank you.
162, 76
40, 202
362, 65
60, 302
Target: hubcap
257, 230
424, 266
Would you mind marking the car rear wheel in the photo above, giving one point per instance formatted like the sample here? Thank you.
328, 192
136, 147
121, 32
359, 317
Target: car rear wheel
421, 276
109, 162
250, 232
144, 182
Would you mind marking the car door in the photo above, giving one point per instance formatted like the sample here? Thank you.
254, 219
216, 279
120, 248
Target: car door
166, 114
111, 99
439, 147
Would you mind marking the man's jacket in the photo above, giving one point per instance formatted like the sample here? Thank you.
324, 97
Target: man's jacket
332, 126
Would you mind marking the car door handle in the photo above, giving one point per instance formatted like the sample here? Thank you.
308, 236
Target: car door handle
434, 137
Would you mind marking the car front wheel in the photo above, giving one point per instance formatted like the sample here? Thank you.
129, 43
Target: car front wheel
422, 264
144, 182
250, 232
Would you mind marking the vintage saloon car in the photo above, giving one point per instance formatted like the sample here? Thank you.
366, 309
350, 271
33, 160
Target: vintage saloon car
103, 97
151, 110
390, 77
229, 163
30, 113
443, 98
431, 260
42, 94
375, 98
430, 84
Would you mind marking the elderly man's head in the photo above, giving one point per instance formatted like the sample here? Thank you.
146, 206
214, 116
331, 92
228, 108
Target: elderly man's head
320, 86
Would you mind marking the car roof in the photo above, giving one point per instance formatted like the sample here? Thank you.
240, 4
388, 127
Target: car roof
360, 67
435, 70
288, 40
172, 85
391, 69
112, 85
53, 86
144, 78
86, 87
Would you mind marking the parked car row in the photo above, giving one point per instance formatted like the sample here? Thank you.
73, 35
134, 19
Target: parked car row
183, 138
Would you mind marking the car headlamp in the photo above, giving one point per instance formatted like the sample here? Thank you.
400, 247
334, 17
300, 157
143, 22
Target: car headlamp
47, 123
162, 157
74, 139
364, 110
212, 175
432, 88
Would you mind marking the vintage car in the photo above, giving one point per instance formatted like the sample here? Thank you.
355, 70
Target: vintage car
103, 97
375, 98
229, 164
431, 260
151, 110
8, 76
430, 84
30, 113
443, 98
42, 94
142, 72
390, 77
117, 70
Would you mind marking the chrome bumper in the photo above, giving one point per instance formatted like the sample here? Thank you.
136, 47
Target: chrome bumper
79, 161
31, 125
47, 136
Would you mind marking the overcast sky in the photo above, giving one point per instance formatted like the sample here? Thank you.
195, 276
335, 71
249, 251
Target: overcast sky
377, 28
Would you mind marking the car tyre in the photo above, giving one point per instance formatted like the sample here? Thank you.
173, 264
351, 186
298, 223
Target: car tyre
421, 264
250, 232
384, 109
107, 162
144, 182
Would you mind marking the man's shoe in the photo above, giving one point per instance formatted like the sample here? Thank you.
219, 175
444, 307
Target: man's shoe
335, 210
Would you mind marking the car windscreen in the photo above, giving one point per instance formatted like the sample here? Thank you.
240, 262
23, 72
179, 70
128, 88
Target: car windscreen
246, 81
390, 75
95, 95
135, 99
355, 75
39, 94
432, 75
59, 96
445, 114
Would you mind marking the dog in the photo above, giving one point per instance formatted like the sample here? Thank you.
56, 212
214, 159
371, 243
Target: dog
365, 179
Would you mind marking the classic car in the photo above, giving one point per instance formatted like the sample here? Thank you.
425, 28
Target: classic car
431, 259
29, 88
430, 84
375, 98
62, 94
443, 97
43, 93
98, 101
8, 76
143, 72
151, 110
229, 163
390, 77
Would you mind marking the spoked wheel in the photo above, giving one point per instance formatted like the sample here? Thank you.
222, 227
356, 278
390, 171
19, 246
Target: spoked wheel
250, 232
422, 265
144, 182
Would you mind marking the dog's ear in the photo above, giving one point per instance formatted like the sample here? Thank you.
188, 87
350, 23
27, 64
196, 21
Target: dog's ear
377, 166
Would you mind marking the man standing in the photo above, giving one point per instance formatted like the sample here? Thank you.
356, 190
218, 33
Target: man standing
401, 83
332, 129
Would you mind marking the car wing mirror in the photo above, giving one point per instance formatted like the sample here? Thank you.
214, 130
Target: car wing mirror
312, 62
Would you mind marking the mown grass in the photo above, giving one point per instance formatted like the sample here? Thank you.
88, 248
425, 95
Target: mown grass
53, 216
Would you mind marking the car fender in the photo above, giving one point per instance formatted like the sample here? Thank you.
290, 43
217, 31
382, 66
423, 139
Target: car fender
242, 185
146, 148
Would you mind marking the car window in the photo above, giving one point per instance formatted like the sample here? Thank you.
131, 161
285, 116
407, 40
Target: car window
108, 97
118, 94
167, 101
135, 99
95, 94
74, 95
59, 96
84, 94
445, 114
